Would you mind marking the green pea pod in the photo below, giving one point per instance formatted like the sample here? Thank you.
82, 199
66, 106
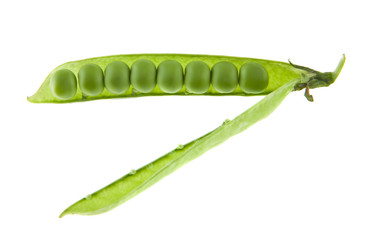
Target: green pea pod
135, 182
139, 75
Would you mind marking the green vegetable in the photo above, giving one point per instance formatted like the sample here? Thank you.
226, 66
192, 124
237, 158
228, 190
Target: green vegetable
117, 77
197, 77
224, 77
63, 84
203, 74
135, 182
170, 76
91, 80
143, 74
253, 78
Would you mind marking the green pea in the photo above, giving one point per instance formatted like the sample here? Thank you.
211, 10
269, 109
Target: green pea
63, 84
117, 77
197, 77
143, 73
170, 76
224, 77
91, 79
253, 78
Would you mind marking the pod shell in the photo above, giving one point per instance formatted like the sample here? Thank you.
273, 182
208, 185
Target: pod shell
278, 73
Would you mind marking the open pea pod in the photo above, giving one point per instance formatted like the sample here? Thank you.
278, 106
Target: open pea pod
137, 181
138, 75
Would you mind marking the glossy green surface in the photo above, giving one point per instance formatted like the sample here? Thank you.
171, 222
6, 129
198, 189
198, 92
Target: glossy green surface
279, 73
135, 182
253, 78
91, 79
63, 84
143, 75
197, 77
170, 76
117, 77
224, 77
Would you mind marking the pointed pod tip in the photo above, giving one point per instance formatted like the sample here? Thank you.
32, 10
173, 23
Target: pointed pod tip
62, 214
31, 99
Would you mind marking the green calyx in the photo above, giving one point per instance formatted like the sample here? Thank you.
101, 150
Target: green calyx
316, 79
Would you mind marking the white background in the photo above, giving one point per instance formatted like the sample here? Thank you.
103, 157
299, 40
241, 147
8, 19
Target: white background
305, 172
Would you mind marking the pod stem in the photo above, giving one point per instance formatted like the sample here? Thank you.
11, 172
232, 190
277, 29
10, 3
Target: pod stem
338, 70
316, 79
